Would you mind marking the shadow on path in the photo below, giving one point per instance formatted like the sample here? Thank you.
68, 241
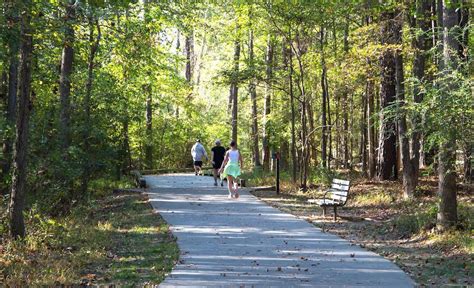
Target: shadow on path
229, 242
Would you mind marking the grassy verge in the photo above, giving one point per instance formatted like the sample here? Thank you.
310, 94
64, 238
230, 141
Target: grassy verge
377, 218
114, 240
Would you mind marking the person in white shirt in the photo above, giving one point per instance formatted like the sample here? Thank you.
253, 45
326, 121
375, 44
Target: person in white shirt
198, 152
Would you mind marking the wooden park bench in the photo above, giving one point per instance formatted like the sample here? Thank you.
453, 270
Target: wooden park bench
336, 196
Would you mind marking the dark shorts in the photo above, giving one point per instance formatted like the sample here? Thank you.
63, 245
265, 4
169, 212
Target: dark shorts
198, 163
217, 165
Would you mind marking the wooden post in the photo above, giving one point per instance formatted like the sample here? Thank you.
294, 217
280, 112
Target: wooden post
277, 154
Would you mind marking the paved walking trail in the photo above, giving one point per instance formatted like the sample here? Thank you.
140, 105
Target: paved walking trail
244, 242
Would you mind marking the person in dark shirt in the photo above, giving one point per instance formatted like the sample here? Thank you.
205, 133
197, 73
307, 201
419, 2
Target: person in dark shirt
217, 157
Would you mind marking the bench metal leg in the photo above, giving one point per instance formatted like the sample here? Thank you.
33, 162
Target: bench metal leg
335, 212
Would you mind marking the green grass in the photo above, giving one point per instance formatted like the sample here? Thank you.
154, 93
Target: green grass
116, 240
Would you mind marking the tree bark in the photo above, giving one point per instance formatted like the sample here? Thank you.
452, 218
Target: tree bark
234, 88
421, 44
324, 135
293, 113
93, 47
447, 213
267, 104
372, 159
364, 134
189, 50
304, 129
18, 192
11, 15
66, 71
345, 115
253, 98
387, 159
410, 177
149, 127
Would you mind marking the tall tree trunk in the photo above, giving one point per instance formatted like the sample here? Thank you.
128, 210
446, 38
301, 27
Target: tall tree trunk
18, 192
189, 47
267, 104
253, 98
234, 89
293, 112
149, 127
372, 159
421, 44
65, 77
410, 177
447, 213
364, 133
329, 122
304, 129
467, 144
387, 160
345, 116
93, 46
11, 15
324, 135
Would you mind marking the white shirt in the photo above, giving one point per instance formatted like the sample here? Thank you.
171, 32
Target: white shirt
234, 155
198, 152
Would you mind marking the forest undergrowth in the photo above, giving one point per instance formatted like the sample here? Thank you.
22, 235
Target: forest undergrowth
113, 239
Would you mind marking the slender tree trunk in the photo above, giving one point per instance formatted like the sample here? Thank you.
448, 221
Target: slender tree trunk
345, 115
387, 160
312, 151
267, 104
94, 45
189, 47
234, 89
304, 129
11, 15
410, 177
467, 163
18, 192
421, 44
364, 133
293, 114
323, 104
329, 122
149, 127
66, 71
447, 213
372, 159
253, 98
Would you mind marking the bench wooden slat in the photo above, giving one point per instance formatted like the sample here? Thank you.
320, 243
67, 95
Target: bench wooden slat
340, 181
340, 187
336, 196
337, 192
324, 201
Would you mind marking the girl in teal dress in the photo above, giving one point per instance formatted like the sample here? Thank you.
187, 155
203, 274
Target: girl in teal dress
231, 169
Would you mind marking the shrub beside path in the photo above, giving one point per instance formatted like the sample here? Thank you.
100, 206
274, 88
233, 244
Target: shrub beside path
235, 242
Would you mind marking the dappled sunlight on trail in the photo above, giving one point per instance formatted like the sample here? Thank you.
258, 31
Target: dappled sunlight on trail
246, 242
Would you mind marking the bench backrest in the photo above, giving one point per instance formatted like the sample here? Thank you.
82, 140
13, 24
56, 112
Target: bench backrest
339, 190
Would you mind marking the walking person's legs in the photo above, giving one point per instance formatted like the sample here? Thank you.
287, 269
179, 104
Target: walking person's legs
215, 176
196, 169
230, 186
